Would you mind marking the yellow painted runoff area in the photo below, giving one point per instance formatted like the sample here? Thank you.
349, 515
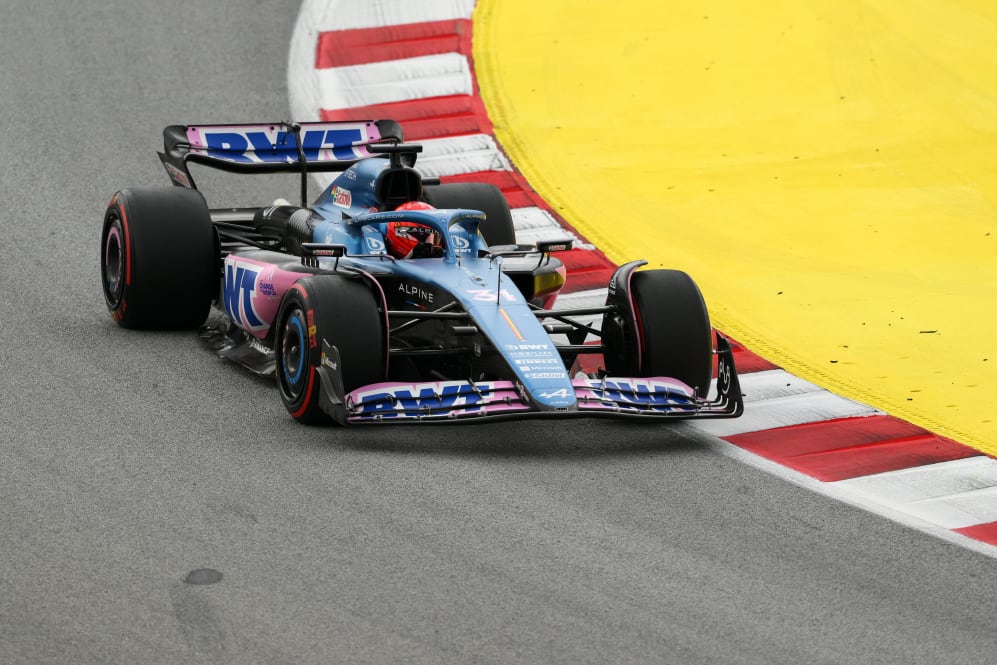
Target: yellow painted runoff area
825, 170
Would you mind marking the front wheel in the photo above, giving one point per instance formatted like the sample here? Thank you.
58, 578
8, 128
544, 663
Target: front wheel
337, 310
669, 333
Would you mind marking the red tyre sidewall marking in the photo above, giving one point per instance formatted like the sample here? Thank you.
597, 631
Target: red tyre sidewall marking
122, 307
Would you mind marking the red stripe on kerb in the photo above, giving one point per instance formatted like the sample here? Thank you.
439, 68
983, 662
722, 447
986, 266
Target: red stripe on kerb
851, 447
343, 48
986, 533
429, 118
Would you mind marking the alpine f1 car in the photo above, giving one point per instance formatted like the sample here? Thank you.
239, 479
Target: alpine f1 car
393, 297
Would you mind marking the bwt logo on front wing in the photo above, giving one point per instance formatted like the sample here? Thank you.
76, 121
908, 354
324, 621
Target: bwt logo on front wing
414, 400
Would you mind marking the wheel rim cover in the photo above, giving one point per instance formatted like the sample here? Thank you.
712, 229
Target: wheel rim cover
293, 352
113, 265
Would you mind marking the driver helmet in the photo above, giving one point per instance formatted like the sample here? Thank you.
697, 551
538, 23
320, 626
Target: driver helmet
406, 240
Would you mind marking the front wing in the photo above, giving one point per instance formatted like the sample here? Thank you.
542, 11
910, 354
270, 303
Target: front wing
655, 398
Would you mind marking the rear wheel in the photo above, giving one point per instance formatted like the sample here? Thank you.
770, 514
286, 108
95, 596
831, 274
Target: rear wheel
497, 228
158, 258
675, 338
342, 312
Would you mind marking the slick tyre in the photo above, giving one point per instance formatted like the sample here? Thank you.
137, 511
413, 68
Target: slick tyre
337, 310
158, 259
497, 228
676, 339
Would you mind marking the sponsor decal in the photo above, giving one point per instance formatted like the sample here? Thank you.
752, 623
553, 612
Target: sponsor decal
240, 294
259, 144
341, 197
374, 245
413, 399
177, 175
416, 292
639, 392
312, 336
542, 371
335, 251
724, 375
527, 347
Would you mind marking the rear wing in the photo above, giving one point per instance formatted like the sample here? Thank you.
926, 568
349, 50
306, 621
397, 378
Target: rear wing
282, 147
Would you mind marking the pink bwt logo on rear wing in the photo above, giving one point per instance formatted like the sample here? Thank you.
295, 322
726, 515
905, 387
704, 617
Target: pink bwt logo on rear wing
276, 143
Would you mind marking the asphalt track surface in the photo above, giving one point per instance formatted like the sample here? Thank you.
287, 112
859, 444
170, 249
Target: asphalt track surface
129, 460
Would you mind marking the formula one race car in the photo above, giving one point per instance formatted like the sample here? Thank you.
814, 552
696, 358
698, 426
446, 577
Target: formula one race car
393, 297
